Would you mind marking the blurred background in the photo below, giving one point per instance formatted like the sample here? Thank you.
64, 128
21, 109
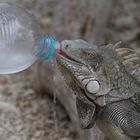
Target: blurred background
27, 111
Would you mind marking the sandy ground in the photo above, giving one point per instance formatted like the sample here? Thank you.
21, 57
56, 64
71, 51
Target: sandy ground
26, 116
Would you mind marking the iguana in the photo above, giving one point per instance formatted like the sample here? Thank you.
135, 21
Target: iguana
106, 81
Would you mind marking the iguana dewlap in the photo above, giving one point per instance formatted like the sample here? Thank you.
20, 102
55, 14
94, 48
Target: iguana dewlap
106, 81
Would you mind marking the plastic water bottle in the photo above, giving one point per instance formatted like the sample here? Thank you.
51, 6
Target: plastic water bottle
21, 41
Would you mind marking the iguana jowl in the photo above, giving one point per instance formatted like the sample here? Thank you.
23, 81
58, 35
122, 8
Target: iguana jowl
106, 82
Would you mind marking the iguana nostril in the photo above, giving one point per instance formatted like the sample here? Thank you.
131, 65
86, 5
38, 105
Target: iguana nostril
67, 46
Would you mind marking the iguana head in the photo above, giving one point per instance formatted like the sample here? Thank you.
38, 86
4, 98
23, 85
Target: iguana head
84, 64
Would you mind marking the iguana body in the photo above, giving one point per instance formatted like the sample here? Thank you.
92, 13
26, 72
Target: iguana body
106, 83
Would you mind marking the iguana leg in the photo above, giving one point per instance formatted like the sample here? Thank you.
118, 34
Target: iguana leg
120, 121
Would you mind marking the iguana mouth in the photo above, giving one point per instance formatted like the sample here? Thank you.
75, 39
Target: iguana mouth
69, 58
65, 58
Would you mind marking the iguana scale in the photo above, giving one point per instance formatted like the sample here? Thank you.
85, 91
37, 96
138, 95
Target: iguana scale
106, 81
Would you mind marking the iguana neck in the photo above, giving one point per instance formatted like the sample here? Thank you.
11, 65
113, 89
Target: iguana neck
119, 78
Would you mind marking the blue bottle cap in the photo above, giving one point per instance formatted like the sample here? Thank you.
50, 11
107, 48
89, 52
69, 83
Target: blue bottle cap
46, 48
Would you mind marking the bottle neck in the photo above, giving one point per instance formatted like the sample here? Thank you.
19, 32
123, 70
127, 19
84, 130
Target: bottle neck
47, 48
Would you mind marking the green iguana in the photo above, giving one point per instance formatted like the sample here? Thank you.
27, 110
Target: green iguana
106, 81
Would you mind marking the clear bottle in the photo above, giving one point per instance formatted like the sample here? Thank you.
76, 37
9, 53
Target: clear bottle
21, 41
